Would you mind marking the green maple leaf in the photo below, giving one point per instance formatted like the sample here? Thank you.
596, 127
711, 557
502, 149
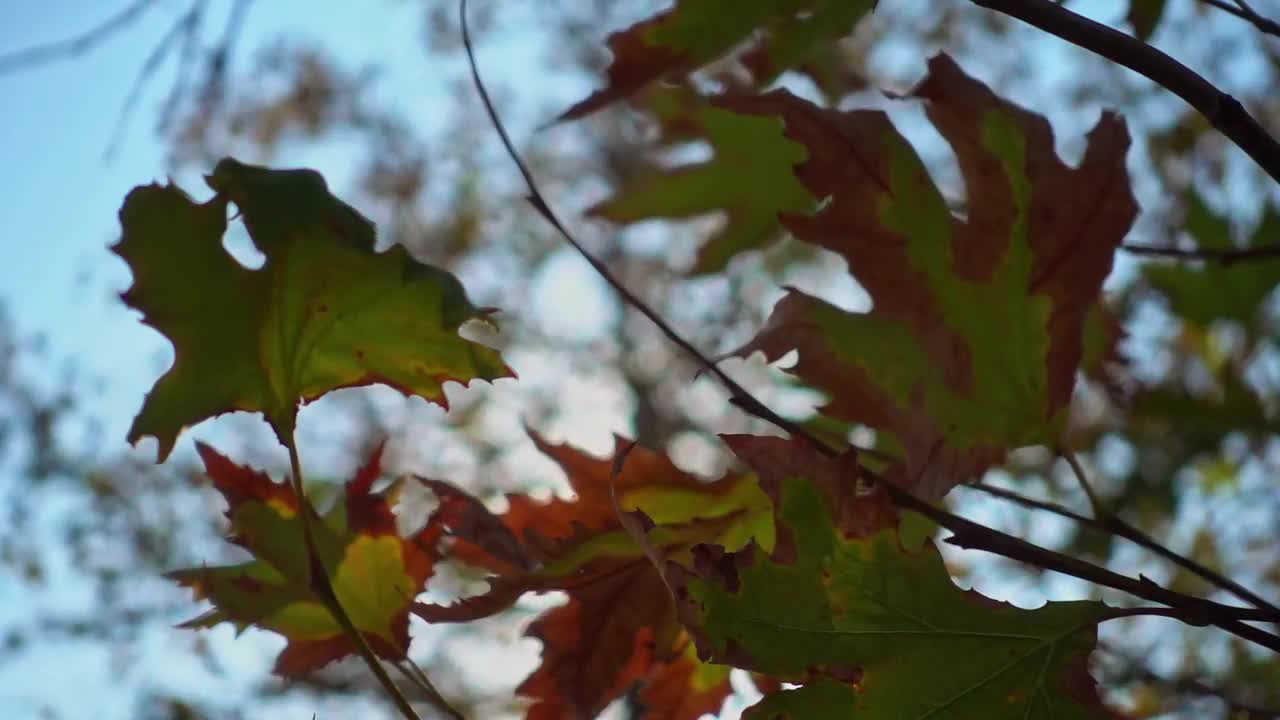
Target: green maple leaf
1218, 291
324, 312
375, 573
841, 597
979, 321
692, 33
749, 178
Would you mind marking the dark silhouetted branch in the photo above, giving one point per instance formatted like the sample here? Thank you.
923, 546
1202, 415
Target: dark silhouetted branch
1224, 256
1108, 522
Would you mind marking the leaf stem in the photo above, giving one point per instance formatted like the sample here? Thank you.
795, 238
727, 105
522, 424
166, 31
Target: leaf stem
322, 586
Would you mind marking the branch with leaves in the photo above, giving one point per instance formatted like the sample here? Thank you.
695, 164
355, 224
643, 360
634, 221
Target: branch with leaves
813, 563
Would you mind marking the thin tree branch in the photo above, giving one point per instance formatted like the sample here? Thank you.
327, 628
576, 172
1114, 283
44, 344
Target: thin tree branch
740, 397
1243, 11
1137, 670
1221, 110
965, 533
186, 24
1117, 526
415, 675
1027, 502
1225, 256
76, 45
1113, 523
1195, 611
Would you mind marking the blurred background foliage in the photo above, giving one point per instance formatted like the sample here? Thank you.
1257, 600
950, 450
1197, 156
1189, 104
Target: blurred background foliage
1183, 442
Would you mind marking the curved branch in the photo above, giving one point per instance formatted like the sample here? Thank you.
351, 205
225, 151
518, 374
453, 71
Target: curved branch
1112, 524
739, 395
1244, 11
1225, 256
1221, 110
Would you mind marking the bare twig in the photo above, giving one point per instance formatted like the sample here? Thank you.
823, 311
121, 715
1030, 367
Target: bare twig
1113, 523
415, 675
1024, 501
1243, 11
1195, 611
1137, 670
1224, 256
187, 25
1222, 111
740, 397
1119, 527
77, 45
965, 533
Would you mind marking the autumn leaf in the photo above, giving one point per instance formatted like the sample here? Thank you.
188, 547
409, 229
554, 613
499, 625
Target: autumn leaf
843, 597
1216, 291
618, 627
744, 146
685, 688
977, 329
692, 33
375, 573
324, 312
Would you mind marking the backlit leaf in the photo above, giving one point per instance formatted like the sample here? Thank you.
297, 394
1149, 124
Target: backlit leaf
842, 597
619, 626
744, 146
978, 324
692, 33
324, 312
375, 573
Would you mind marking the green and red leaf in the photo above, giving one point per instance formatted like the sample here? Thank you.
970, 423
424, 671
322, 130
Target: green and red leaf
978, 325
692, 33
877, 624
375, 573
